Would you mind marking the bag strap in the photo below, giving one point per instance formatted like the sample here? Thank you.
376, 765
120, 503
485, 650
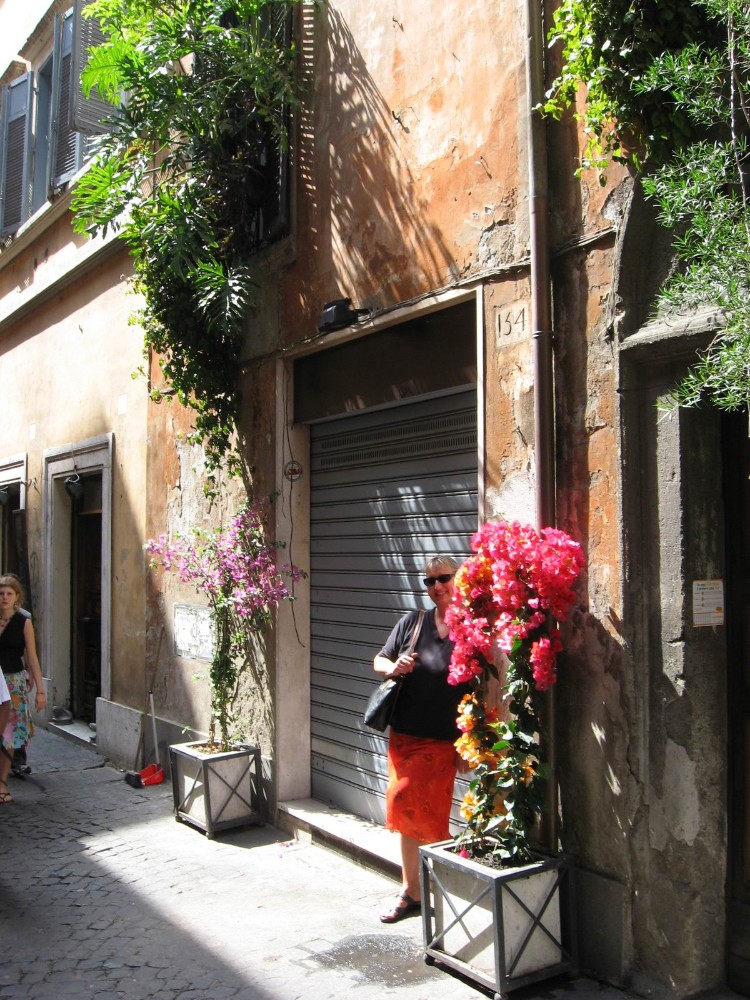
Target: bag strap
412, 644
415, 633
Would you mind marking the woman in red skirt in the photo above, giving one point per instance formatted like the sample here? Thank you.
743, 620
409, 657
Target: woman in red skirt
422, 759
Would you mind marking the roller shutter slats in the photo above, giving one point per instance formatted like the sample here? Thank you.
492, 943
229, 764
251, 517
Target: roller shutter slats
388, 489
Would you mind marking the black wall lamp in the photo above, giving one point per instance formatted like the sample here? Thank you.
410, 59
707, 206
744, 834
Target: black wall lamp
74, 487
337, 315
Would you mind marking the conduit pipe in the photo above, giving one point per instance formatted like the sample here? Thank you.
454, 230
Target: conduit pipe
541, 332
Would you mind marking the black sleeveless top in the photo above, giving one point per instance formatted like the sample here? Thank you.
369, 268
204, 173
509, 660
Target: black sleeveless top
427, 704
12, 645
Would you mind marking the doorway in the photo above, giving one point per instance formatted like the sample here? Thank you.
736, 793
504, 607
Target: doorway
86, 598
77, 510
737, 511
13, 540
389, 488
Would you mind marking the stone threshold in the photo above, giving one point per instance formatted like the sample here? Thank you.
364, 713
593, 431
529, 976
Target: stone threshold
366, 843
75, 732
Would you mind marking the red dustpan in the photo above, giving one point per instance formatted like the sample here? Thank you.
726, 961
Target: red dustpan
152, 775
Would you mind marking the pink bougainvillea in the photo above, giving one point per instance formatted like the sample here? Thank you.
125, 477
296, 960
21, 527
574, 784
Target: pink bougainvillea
517, 581
508, 596
235, 568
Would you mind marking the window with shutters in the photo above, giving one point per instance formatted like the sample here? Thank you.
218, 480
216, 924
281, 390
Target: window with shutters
46, 126
16, 152
272, 220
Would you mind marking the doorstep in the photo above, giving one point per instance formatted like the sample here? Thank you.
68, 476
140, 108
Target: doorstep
367, 843
76, 731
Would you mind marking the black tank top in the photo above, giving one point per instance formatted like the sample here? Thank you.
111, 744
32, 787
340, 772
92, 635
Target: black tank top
12, 645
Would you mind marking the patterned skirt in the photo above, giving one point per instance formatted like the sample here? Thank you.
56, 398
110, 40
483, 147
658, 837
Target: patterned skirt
20, 728
421, 773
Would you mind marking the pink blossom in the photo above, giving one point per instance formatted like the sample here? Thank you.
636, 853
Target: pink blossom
505, 594
233, 566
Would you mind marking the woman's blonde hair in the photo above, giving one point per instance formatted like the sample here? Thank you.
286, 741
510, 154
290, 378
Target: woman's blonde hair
448, 562
12, 581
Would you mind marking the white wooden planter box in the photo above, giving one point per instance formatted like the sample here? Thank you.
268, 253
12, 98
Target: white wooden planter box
502, 927
216, 791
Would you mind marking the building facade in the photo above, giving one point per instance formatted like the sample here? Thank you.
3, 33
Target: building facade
495, 359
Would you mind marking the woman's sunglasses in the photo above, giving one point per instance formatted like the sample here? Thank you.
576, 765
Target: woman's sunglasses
430, 581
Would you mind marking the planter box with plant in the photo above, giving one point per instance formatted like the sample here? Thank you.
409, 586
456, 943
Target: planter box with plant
217, 783
216, 789
502, 910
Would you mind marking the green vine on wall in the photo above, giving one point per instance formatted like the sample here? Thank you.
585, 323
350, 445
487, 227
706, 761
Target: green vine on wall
185, 174
667, 88
610, 46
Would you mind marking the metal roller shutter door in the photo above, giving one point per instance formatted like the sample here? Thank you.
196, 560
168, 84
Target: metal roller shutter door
388, 488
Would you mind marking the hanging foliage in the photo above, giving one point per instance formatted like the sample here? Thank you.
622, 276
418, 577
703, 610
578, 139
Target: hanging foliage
190, 174
672, 79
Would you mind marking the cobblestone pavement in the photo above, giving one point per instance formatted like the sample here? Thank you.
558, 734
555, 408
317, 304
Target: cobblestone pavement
104, 895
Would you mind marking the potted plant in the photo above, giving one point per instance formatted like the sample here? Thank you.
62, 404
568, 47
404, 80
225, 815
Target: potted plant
496, 900
216, 782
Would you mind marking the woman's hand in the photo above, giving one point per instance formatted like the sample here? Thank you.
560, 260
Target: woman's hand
390, 668
404, 664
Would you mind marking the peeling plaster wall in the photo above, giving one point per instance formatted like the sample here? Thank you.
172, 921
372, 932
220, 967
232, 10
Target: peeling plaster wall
408, 158
680, 867
177, 505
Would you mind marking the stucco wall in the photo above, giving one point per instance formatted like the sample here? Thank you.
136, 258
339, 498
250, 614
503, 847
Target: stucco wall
412, 178
408, 153
67, 355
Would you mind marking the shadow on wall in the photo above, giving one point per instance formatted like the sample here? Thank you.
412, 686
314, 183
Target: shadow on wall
360, 213
595, 691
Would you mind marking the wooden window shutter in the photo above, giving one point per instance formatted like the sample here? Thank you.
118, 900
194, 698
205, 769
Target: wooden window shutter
87, 114
275, 215
15, 153
67, 143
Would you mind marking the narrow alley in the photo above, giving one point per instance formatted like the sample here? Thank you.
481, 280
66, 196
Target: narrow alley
104, 895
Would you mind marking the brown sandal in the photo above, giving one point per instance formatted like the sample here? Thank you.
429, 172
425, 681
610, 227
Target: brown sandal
5, 797
404, 906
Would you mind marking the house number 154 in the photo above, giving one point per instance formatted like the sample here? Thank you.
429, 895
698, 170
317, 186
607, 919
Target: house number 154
512, 323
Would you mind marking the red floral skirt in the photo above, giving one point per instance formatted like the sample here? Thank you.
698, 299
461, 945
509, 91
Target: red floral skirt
421, 773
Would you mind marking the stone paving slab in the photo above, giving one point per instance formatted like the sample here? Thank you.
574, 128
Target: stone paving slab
104, 895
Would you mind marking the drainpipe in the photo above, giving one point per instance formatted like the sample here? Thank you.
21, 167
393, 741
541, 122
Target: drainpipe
541, 327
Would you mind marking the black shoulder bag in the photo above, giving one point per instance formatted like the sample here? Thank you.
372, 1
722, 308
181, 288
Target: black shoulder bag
383, 699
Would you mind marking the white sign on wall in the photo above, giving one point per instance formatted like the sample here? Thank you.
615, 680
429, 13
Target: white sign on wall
512, 324
708, 602
193, 632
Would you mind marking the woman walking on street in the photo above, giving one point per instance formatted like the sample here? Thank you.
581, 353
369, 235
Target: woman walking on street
20, 666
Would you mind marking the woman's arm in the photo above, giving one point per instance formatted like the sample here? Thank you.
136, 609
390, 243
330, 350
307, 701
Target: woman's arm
32, 665
403, 665
404, 662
